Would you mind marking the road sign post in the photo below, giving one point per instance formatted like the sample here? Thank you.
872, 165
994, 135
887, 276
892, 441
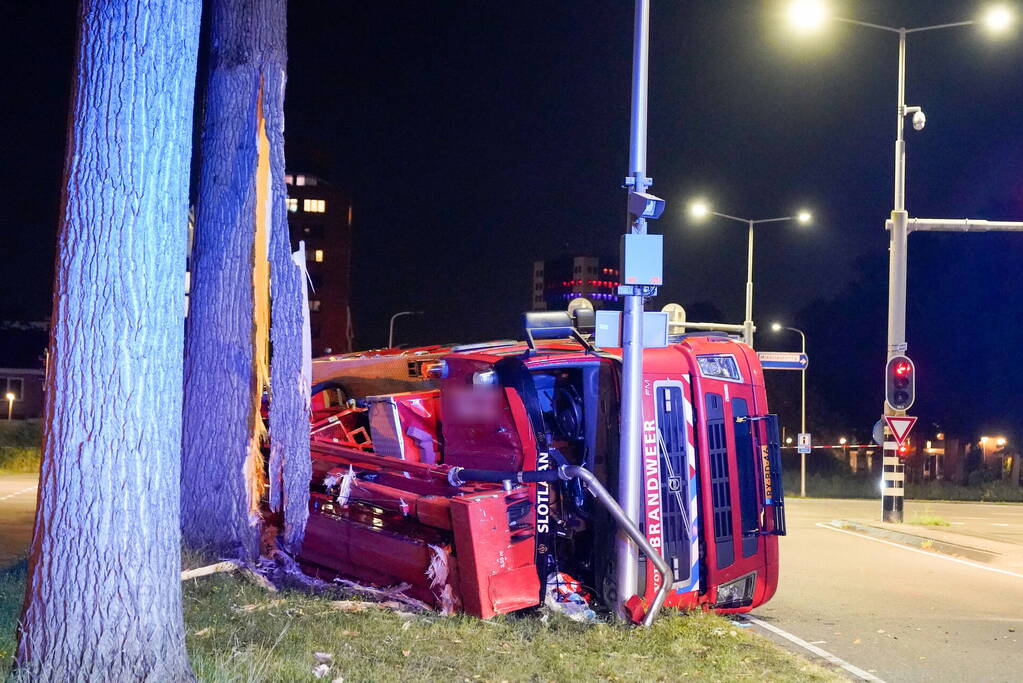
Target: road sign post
803, 446
893, 493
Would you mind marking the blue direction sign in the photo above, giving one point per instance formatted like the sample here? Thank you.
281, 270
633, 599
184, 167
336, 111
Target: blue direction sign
775, 360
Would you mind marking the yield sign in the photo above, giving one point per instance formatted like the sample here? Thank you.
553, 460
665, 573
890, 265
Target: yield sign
900, 427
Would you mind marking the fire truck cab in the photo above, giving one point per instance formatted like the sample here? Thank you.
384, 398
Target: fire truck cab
482, 478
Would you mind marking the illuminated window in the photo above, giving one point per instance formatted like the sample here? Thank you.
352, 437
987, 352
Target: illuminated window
314, 305
319, 256
300, 180
292, 204
314, 205
289, 179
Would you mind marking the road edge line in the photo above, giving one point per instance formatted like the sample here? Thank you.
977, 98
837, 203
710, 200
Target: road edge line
823, 654
939, 556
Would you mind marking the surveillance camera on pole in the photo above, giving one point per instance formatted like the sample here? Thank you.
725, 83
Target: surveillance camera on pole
919, 118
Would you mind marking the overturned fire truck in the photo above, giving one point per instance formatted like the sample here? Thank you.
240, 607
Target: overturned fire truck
483, 477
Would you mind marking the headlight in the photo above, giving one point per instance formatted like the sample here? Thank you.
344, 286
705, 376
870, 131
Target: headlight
737, 593
719, 367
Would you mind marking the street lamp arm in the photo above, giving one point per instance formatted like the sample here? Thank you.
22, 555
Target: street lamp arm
731, 218
939, 26
867, 24
747, 221
918, 29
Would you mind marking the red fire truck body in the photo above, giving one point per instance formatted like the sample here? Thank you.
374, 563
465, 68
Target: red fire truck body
481, 476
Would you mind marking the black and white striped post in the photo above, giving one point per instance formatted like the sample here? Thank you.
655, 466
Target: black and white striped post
893, 480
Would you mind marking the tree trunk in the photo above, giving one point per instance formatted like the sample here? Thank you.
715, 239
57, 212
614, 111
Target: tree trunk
240, 223
103, 600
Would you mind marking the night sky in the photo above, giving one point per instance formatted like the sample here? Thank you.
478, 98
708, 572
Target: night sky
478, 136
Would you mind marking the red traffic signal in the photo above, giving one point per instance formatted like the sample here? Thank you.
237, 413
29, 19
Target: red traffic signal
900, 383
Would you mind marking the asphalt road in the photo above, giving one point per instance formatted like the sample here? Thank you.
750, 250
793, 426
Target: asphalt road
17, 514
901, 614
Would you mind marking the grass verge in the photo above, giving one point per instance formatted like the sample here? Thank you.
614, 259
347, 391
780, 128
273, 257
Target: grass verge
237, 631
928, 519
839, 486
19, 446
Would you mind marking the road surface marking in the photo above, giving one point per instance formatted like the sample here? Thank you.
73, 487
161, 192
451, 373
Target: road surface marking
18, 493
824, 525
824, 654
998, 524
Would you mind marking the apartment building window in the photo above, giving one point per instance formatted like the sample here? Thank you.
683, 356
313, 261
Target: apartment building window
318, 256
314, 230
314, 305
292, 204
314, 205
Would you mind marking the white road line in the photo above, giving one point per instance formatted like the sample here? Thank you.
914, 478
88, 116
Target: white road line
823, 654
938, 556
18, 493
998, 524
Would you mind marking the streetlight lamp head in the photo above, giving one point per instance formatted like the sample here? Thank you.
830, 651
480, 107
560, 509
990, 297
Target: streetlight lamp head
1000, 441
699, 209
807, 16
997, 18
842, 441
776, 326
804, 217
10, 396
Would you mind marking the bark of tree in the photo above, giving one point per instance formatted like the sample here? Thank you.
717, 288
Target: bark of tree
103, 600
241, 245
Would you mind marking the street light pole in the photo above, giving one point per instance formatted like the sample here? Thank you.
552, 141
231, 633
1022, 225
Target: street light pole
997, 19
10, 404
699, 210
747, 324
390, 332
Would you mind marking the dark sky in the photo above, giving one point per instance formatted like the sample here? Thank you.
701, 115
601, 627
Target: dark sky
477, 136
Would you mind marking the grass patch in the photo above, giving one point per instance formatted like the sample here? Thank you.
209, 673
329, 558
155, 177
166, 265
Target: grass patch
928, 519
19, 446
12, 591
18, 460
236, 631
854, 486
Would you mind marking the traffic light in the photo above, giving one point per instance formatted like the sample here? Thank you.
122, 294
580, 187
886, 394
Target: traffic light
900, 383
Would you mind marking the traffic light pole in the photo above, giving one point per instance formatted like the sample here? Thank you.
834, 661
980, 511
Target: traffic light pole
893, 471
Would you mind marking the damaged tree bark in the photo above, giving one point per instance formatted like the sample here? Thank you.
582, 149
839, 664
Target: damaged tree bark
103, 600
242, 245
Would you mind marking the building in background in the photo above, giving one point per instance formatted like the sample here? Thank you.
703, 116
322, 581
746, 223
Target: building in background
558, 281
320, 214
22, 363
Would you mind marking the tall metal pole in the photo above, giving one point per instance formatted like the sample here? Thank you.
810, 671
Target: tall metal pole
802, 420
747, 325
390, 331
892, 496
630, 457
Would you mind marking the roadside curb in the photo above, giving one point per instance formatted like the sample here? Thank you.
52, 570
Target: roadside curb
920, 542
